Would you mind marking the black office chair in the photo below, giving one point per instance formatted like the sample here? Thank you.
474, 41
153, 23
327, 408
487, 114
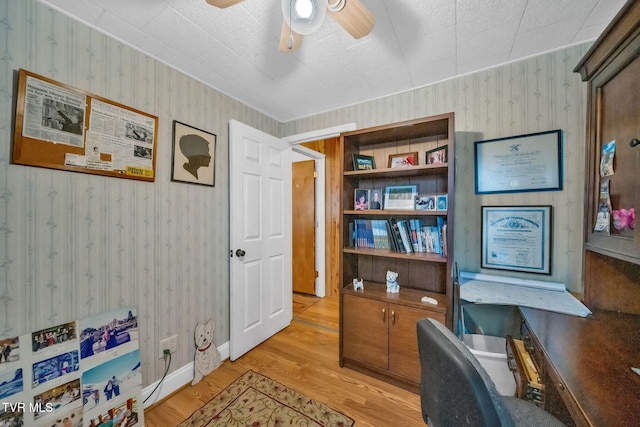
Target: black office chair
456, 391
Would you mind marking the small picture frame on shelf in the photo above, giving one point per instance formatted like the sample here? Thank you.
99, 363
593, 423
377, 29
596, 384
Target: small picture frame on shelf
400, 197
361, 199
363, 162
441, 202
375, 199
426, 203
403, 160
436, 156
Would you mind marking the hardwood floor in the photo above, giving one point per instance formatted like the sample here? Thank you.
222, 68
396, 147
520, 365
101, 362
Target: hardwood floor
304, 356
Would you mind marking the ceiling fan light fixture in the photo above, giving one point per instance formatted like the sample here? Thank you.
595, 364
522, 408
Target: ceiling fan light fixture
304, 8
304, 16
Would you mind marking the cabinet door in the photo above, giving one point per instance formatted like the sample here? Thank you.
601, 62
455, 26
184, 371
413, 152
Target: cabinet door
403, 340
365, 335
618, 100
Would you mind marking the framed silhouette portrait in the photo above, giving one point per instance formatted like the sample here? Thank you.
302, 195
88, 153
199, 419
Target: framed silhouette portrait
193, 155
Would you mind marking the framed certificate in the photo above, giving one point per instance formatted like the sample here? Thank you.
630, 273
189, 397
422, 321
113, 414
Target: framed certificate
516, 238
517, 164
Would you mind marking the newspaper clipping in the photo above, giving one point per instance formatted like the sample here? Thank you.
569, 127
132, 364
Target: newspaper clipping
123, 134
53, 113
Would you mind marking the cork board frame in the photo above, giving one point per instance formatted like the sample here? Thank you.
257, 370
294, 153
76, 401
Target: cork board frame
61, 127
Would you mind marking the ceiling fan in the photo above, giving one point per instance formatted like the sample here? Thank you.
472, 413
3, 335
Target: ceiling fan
302, 17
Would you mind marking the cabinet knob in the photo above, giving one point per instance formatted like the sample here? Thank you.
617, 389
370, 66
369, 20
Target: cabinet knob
384, 315
393, 317
634, 142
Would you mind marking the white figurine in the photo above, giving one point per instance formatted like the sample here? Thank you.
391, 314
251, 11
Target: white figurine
357, 284
207, 356
392, 282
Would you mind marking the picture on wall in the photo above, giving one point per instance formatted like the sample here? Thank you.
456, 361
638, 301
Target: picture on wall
55, 367
12, 418
108, 330
10, 382
516, 238
52, 336
9, 350
123, 415
109, 380
56, 398
193, 155
521, 163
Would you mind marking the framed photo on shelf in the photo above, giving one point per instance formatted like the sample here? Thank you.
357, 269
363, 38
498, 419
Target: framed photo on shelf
193, 155
363, 162
516, 238
426, 203
375, 199
361, 199
441, 202
437, 156
403, 160
400, 197
518, 164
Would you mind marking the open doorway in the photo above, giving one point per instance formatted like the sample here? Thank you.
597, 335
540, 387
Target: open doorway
307, 236
324, 141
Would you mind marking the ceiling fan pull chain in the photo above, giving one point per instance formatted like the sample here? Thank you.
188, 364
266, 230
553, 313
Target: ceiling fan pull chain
335, 5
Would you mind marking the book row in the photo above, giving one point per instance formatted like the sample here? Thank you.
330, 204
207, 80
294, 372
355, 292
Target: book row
405, 236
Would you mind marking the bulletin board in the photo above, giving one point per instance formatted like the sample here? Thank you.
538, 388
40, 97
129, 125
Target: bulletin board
58, 126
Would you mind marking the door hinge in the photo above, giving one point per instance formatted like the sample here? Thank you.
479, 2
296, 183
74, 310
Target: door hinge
315, 174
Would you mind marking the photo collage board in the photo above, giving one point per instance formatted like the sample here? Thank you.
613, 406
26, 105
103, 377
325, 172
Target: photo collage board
79, 373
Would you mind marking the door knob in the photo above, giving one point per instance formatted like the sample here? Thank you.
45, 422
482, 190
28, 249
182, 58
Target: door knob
240, 253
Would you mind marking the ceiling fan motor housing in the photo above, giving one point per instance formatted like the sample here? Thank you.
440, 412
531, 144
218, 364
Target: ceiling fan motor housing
304, 16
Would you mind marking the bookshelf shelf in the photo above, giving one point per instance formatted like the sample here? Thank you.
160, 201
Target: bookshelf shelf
394, 213
416, 256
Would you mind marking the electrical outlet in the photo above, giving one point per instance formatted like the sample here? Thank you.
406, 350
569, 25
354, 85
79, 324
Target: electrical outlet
170, 344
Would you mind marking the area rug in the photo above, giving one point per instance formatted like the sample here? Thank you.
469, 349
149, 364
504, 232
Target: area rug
255, 400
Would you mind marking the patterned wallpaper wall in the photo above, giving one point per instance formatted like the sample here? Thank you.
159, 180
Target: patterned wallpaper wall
72, 245
533, 95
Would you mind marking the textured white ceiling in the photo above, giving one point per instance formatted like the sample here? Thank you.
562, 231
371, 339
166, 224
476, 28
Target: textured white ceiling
413, 44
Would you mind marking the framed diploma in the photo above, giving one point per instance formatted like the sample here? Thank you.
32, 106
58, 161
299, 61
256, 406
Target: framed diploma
516, 238
517, 164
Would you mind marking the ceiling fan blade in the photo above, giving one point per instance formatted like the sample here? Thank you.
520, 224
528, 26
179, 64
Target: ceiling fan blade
355, 18
289, 40
222, 3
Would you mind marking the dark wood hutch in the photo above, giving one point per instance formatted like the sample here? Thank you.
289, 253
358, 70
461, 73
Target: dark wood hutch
587, 363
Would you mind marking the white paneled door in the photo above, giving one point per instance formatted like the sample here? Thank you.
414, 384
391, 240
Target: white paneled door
260, 237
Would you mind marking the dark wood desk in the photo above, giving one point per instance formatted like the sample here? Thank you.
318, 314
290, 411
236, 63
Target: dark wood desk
588, 362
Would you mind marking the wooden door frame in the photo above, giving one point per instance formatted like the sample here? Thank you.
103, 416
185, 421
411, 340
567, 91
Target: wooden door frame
321, 243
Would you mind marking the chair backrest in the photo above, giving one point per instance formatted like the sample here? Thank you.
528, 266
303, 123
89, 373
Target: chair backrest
455, 390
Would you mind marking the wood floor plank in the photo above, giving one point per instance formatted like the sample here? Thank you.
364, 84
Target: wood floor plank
304, 356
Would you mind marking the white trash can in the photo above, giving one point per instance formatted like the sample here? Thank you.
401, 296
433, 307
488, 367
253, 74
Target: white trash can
492, 354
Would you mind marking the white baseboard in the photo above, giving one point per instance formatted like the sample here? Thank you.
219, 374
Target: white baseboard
175, 380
